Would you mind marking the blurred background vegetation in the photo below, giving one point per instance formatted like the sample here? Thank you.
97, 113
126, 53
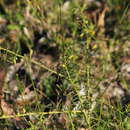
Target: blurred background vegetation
68, 57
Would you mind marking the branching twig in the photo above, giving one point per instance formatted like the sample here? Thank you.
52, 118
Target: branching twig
33, 61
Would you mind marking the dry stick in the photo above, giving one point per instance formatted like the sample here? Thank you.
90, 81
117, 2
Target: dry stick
38, 113
32, 61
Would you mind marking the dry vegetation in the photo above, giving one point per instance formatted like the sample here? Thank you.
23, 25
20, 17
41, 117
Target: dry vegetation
65, 64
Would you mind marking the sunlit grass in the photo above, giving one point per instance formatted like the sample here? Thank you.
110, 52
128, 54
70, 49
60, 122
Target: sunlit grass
87, 57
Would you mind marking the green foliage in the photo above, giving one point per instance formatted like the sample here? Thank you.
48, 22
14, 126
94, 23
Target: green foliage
68, 86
